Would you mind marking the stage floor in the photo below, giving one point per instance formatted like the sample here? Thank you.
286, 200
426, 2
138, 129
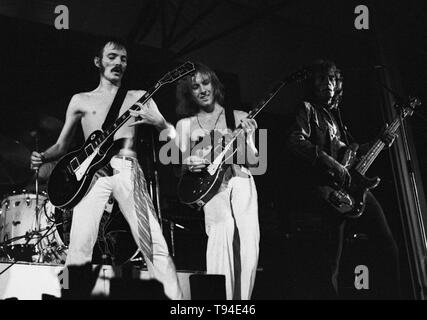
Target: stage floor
29, 281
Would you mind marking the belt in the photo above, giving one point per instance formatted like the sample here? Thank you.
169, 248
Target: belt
125, 158
122, 161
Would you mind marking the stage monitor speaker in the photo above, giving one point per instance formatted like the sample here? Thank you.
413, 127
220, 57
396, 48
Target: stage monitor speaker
207, 287
136, 289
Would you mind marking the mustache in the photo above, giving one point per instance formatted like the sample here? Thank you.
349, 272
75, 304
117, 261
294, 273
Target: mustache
117, 68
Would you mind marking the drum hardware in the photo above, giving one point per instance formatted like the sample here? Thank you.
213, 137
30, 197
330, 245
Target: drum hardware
23, 250
45, 253
172, 226
36, 143
25, 232
27, 238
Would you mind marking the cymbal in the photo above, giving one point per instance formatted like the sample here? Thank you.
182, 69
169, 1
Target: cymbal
49, 124
14, 162
42, 134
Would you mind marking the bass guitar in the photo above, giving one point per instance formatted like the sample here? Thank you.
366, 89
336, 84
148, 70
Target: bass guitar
350, 202
72, 175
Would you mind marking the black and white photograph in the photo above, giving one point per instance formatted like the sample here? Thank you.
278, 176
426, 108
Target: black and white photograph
201, 151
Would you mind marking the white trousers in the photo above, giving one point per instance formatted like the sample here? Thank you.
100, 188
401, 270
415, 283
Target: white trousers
87, 216
231, 220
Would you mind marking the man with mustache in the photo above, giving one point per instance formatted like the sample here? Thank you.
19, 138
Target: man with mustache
122, 178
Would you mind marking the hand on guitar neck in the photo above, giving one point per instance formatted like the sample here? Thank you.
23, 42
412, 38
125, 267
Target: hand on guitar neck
387, 137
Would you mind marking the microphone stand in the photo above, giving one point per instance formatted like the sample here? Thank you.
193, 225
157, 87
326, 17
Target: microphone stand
36, 137
411, 173
172, 226
408, 159
421, 253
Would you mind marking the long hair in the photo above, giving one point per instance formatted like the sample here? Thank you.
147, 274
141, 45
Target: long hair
186, 105
321, 66
100, 45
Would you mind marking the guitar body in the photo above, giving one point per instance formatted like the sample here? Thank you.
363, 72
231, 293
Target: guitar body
65, 188
349, 203
195, 189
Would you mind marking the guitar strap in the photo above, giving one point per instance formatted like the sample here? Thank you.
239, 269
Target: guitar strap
230, 122
341, 126
346, 135
229, 118
115, 107
109, 120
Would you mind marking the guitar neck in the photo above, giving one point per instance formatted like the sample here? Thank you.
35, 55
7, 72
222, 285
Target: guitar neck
262, 104
170, 77
378, 146
295, 76
239, 130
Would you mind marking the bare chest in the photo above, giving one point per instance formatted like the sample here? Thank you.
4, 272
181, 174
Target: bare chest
95, 111
202, 126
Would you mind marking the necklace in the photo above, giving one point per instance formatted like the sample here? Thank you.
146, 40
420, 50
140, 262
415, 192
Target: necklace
216, 122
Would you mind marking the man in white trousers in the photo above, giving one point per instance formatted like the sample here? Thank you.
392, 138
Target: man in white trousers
122, 178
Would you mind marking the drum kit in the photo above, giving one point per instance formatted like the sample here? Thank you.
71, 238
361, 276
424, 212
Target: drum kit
31, 228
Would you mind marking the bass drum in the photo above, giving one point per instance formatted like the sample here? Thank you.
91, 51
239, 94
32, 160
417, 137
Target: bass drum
22, 238
18, 223
26, 237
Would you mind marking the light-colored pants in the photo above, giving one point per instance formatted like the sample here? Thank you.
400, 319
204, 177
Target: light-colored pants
87, 216
231, 219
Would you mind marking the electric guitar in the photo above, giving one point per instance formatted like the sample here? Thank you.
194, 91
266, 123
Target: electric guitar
72, 175
350, 202
195, 189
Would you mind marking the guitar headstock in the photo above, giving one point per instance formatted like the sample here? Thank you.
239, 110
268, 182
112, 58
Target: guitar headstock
414, 102
410, 106
177, 73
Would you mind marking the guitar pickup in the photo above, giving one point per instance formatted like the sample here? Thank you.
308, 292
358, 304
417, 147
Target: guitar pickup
89, 149
74, 164
339, 198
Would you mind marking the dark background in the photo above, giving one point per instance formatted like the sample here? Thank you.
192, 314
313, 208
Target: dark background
251, 45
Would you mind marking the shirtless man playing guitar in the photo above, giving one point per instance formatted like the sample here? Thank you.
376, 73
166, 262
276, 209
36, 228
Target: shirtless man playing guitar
123, 178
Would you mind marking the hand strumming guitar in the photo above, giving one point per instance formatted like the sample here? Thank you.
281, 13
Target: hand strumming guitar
195, 163
337, 173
